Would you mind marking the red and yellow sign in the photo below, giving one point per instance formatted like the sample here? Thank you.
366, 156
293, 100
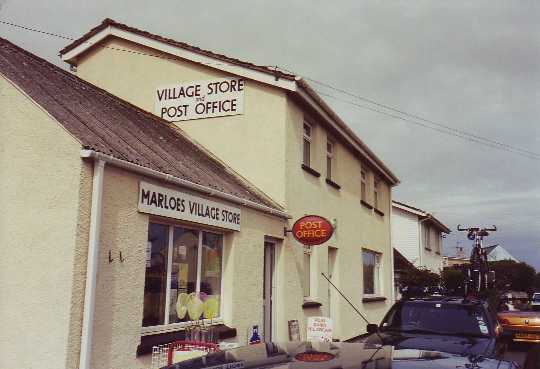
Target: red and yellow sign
312, 230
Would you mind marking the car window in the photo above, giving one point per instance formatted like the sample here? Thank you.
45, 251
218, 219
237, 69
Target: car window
536, 297
438, 318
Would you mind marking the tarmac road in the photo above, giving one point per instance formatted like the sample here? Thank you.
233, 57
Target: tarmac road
526, 355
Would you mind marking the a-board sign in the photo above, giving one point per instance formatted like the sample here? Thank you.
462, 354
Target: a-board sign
319, 328
200, 99
312, 230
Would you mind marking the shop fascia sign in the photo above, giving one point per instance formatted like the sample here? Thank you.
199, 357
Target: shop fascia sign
312, 230
200, 99
162, 201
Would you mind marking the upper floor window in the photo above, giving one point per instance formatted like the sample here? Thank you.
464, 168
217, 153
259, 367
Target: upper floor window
363, 185
376, 193
308, 131
329, 158
425, 236
371, 272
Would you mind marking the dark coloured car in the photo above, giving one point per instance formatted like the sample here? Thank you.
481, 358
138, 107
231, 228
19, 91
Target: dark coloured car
318, 355
449, 324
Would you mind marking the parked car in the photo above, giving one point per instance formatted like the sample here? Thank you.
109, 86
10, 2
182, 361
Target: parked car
308, 355
449, 324
535, 301
521, 326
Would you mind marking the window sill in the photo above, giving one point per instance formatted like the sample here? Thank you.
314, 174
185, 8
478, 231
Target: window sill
427, 248
378, 212
311, 302
366, 204
311, 171
147, 342
437, 252
333, 184
373, 299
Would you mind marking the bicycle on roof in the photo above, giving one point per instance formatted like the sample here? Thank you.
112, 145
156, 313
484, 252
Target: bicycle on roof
478, 277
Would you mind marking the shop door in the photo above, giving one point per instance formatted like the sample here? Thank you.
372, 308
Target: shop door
269, 262
332, 257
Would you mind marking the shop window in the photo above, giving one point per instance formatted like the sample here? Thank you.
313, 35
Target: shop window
363, 186
307, 144
329, 158
371, 271
183, 275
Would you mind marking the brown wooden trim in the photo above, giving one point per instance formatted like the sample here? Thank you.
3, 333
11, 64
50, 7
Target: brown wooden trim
379, 212
311, 171
374, 299
366, 204
333, 184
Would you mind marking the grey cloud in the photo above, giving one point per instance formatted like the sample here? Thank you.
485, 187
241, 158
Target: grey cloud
470, 65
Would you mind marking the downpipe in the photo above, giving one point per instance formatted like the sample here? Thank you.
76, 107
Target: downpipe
92, 266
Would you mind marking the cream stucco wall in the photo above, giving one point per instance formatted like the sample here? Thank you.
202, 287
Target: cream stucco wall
40, 173
234, 139
264, 145
357, 226
120, 285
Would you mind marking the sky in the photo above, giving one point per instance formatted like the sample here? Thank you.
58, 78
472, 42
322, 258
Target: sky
472, 66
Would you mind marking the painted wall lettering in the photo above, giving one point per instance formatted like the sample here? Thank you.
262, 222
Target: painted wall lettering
200, 99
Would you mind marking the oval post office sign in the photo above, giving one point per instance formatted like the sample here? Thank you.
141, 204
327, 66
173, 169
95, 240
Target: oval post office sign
312, 230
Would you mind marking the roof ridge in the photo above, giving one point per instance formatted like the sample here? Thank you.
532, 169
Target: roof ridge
111, 22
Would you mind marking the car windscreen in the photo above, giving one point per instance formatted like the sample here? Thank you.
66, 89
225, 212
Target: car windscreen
536, 297
437, 318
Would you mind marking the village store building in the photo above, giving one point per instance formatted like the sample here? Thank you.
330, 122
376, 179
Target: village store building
113, 221
273, 129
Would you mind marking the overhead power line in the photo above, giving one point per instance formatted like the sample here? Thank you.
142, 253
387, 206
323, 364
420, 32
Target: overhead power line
373, 106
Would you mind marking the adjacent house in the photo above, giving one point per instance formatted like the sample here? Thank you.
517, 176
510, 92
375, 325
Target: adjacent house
417, 235
497, 253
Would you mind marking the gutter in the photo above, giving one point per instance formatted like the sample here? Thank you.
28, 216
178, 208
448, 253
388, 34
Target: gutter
97, 156
92, 266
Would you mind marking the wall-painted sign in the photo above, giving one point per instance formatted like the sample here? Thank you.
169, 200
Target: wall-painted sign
200, 99
319, 328
165, 202
312, 230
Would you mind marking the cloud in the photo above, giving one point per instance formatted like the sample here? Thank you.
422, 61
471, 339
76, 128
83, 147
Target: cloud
469, 65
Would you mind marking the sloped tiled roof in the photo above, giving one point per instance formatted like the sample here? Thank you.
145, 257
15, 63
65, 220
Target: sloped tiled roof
107, 124
110, 22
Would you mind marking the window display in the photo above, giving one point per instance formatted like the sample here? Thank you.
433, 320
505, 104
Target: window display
190, 260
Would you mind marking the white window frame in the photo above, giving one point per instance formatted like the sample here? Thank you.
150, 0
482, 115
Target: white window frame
170, 327
377, 270
330, 158
426, 237
309, 139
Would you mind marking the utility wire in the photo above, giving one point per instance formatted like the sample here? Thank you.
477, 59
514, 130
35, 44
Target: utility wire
394, 112
440, 130
413, 116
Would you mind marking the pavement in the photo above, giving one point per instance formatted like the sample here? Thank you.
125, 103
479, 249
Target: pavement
526, 355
